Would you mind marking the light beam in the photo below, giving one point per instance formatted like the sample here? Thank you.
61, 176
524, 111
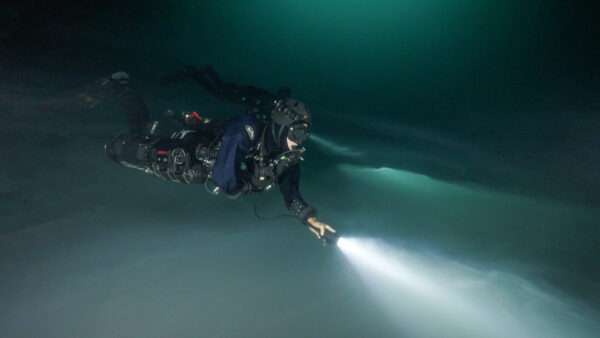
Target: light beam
434, 296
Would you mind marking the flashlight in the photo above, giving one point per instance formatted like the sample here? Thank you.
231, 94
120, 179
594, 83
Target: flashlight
330, 238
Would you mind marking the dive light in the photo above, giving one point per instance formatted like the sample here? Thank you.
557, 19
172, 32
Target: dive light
330, 238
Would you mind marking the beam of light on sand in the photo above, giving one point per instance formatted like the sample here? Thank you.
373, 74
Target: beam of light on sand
434, 296
368, 256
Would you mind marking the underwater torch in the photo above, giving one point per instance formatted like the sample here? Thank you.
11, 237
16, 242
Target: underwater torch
330, 238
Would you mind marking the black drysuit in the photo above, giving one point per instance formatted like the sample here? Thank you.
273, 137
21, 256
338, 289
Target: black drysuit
238, 156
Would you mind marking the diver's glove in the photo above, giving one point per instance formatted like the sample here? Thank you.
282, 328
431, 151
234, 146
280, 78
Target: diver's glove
319, 228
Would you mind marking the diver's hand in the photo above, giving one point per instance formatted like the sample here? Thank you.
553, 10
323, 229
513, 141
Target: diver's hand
319, 228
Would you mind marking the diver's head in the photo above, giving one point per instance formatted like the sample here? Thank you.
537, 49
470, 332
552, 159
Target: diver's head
290, 122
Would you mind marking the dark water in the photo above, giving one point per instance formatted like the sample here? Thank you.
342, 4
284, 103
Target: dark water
464, 132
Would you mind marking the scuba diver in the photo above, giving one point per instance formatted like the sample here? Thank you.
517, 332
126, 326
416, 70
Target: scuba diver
249, 153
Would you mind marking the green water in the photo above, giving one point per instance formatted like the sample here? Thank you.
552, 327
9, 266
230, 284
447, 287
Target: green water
466, 129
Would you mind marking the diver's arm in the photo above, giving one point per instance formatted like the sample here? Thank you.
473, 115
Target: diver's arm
289, 183
254, 98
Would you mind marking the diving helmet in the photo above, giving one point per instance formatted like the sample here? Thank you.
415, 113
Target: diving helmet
291, 119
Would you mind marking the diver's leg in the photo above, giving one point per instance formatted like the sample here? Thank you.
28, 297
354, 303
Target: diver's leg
138, 115
137, 148
130, 151
207, 78
212, 75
